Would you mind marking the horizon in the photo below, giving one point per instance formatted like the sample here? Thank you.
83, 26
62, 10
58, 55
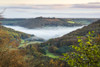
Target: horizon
51, 18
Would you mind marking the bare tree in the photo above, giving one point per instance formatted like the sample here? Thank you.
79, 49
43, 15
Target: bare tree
1, 17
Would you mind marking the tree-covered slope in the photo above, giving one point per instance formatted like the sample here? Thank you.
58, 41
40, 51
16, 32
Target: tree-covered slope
14, 33
41, 22
63, 42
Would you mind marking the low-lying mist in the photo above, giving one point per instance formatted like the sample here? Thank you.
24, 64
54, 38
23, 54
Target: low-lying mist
46, 32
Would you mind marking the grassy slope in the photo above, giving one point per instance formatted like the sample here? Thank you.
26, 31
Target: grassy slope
49, 54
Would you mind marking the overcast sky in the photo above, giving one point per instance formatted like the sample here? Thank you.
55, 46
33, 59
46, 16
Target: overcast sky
9, 2
50, 8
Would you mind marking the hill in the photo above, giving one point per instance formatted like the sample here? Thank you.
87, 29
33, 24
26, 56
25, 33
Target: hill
62, 43
15, 34
41, 22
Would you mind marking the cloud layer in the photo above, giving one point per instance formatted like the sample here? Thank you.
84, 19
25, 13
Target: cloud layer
93, 5
89, 5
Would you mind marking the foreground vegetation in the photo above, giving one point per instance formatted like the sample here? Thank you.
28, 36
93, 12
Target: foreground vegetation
86, 54
10, 56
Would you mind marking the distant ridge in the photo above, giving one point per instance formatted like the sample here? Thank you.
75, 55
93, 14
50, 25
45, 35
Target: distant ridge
39, 22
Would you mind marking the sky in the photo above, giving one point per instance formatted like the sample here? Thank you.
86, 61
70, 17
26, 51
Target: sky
50, 8
9, 2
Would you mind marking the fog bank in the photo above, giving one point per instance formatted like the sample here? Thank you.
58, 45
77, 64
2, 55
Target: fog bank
46, 32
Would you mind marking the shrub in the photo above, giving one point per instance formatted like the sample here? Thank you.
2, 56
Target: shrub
86, 54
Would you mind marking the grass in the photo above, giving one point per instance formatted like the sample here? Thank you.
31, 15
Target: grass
71, 22
51, 54
25, 43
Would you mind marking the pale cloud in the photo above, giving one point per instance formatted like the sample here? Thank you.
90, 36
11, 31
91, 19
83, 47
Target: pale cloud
88, 5
93, 5
38, 7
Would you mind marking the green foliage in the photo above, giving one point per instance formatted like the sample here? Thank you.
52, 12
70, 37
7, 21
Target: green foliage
86, 54
71, 22
51, 54
63, 49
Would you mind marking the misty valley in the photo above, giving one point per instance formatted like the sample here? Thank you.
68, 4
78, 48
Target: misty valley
46, 33
46, 28
44, 41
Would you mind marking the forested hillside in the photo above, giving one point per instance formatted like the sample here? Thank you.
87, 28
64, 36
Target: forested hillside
15, 33
60, 45
41, 22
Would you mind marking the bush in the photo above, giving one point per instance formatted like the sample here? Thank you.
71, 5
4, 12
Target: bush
86, 54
